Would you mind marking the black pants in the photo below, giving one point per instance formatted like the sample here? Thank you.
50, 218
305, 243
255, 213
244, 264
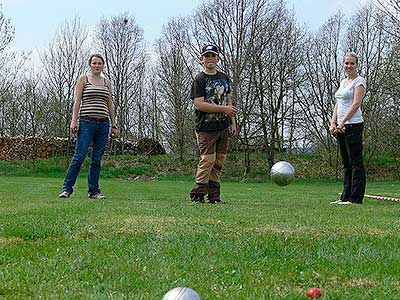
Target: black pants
351, 150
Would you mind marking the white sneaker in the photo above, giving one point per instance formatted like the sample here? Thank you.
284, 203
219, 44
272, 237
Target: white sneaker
64, 194
98, 196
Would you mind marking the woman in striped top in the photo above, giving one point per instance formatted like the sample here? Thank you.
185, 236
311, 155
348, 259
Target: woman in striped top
93, 104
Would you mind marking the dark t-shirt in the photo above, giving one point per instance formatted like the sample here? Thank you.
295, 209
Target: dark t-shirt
214, 89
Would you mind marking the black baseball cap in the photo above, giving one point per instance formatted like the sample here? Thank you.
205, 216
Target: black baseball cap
210, 49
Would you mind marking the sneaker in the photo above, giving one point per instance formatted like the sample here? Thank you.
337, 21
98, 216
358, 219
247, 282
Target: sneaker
98, 196
216, 201
197, 199
64, 194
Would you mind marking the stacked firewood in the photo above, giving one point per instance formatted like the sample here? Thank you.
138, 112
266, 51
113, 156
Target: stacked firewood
23, 148
20, 148
144, 146
150, 147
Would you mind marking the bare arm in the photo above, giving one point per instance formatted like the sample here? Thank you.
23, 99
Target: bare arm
114, 130
234, 130
77, 103
332, 128
201, 105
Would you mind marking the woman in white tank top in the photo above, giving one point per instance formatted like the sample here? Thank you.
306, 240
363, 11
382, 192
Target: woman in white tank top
347, 124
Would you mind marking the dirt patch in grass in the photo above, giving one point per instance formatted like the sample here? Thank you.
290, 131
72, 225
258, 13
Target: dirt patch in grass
141, 177
4, 241
362, 283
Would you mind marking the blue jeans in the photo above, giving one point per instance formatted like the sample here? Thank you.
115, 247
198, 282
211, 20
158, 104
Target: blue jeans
90, 132
351, 150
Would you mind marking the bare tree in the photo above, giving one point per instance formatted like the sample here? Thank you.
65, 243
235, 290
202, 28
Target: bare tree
175, 75
322, 63
10, 68
392, 9
34, 106
63, 62
7, 31
276, 77
367, 37
154, 111
121, 40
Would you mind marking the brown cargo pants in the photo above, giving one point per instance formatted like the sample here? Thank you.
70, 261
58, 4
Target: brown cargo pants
213, 147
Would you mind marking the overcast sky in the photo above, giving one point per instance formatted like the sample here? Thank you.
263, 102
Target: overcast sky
36, 21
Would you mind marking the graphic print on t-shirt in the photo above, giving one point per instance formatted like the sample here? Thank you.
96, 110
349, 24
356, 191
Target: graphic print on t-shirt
216, 92
213, 89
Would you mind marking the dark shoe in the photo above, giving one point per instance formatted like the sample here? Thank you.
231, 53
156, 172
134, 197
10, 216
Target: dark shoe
98, 196
216, 201
197, 198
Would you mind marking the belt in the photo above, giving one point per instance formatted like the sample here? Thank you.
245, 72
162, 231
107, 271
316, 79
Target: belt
93, 119
354, 125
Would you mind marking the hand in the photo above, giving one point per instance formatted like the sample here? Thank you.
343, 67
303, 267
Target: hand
340, 128
332, 129
74, 127
234, 131
113, 132
230, 110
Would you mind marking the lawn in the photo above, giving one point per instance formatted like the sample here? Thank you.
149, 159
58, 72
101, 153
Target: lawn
265, 242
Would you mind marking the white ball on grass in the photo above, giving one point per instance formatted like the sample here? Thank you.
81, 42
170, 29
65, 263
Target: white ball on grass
181, 293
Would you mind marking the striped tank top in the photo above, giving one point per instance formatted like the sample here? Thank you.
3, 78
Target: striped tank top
94, 101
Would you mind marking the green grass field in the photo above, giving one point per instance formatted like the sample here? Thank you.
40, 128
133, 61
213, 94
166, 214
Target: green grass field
266, 242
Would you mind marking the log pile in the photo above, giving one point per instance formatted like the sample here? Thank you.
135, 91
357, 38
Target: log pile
150, 147
19, 148
118, 146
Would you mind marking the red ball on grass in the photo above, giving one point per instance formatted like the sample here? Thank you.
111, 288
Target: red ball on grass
314, 293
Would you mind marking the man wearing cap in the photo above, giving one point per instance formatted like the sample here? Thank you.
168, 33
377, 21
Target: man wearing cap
215, 114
